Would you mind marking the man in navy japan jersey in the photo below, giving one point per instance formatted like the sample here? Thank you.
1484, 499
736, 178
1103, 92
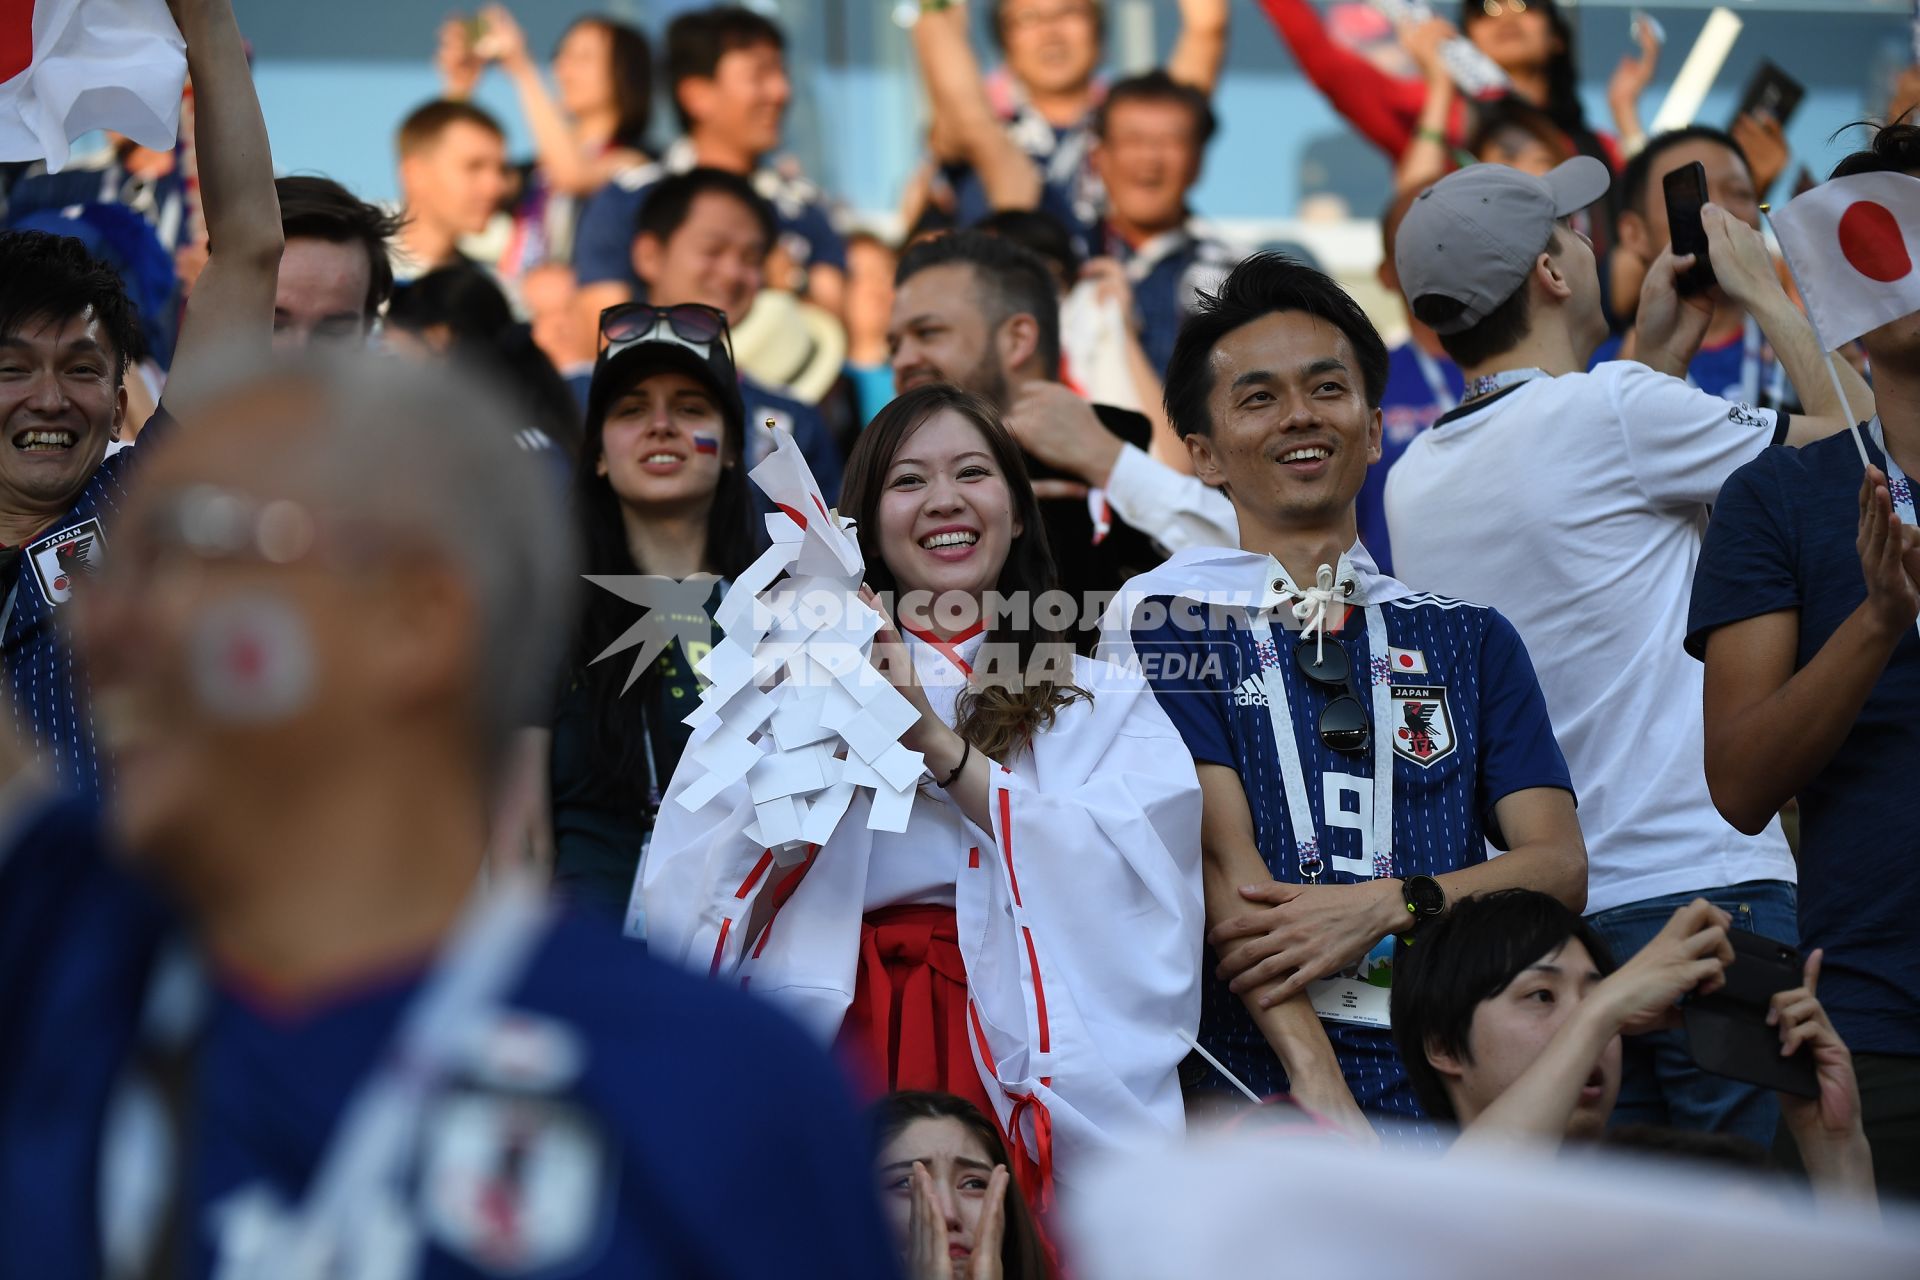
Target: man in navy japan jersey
66, 332
282, 1034
1359, 743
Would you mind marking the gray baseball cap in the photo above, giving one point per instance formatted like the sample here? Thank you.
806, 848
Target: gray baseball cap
1473, 235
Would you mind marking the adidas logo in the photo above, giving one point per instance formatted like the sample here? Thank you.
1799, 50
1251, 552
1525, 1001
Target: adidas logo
1250, 693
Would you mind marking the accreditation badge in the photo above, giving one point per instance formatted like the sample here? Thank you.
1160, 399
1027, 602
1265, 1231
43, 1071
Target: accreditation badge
1358, 996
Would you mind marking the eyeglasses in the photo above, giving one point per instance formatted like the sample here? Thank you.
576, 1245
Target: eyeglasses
1325, 661
1031, 18
688, 321
1493, 8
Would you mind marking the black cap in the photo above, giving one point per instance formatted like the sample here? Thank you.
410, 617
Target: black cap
623, 364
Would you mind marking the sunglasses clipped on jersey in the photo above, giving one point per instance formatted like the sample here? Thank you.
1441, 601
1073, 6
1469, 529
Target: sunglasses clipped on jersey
1343, 721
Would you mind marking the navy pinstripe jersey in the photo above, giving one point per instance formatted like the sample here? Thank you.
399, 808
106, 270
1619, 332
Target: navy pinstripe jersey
1470, 727
50, 697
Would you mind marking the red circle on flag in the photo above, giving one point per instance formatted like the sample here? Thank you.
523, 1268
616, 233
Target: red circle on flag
1406, 659
1870, 238
60, 583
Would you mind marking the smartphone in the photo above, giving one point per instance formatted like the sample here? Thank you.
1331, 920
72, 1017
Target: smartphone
1771, 92
1686, 189
1727, 1032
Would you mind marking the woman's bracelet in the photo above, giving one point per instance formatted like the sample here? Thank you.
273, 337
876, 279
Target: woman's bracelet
954, 777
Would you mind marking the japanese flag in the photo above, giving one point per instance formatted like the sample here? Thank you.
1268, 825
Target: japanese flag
1852, 243
68, 67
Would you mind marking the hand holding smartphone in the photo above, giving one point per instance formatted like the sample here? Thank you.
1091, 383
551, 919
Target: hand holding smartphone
1728, 1033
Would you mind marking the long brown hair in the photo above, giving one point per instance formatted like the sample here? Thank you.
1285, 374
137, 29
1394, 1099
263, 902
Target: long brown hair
999, 717
1021, 1256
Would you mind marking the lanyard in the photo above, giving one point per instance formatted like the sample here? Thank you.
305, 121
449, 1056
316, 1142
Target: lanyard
376, 1135
1306, 837
1482, 387
1899, 488
1436, 381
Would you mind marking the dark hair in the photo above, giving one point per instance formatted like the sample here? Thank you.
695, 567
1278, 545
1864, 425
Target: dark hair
697, 41
619, 775
997, 19
1563, 78
322, 209
1464, 959
670, 202
1499, 331
1011, 281
997, 717
423, 127
1894, 148
630, 69
1021, 1257
1510, 111
1261, 285
1158, 86
1634, 179
487, 339
47, 278
1042, 234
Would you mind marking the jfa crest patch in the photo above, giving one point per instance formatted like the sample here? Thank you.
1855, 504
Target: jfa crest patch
514, 1183
1422, 724
60, 559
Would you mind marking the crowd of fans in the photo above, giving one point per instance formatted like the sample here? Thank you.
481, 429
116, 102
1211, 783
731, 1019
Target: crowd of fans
349, 874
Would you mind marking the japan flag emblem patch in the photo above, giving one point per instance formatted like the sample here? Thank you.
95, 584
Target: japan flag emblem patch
1422, 724
514, 1183
63, 558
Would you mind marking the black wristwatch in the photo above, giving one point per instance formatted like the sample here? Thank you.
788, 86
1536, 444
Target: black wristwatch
1425, 898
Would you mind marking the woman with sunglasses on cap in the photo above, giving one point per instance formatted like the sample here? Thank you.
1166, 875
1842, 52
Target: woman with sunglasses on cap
659, 490
1031, 941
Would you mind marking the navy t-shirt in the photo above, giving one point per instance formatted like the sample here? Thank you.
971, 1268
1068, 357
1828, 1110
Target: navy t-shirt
603, 244
664, 1127
1168, 273
1782, 537
1409, 405
1458, 670
51, 706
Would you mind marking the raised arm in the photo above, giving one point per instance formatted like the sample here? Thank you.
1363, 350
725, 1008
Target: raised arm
1202, 47
1373, 102
1745, 270
1771, 729
568, 167
1428, 157
229, 318
1230, 857
963, 119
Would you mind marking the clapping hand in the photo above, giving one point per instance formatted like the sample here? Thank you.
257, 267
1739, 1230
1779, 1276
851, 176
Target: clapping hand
1889, 555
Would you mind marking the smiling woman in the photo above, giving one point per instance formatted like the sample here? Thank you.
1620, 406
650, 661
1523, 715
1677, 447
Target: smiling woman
659, 488
1055, 827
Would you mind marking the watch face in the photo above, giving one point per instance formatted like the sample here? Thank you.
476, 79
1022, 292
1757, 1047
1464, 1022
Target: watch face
1426, 895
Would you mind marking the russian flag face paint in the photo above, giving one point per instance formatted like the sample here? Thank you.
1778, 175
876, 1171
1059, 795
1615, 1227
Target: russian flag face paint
705, 444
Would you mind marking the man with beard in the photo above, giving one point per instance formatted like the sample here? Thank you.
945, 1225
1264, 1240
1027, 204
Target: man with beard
979, 312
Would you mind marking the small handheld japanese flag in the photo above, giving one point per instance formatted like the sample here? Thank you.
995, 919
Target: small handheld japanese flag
68, 67
1852, 244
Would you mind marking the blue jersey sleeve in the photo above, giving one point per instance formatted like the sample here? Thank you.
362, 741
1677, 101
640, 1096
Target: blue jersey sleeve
1173, 658
603, 244
1517, 748
825, 245
1747, 562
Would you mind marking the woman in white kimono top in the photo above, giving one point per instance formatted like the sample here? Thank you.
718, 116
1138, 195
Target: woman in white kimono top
1032, 940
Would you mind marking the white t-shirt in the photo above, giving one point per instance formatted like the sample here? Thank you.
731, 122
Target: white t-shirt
1575, 505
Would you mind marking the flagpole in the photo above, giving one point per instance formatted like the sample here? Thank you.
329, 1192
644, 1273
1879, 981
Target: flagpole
1846, 407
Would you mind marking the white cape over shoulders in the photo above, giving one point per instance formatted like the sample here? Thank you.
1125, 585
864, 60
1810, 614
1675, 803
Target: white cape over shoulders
1080, 914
